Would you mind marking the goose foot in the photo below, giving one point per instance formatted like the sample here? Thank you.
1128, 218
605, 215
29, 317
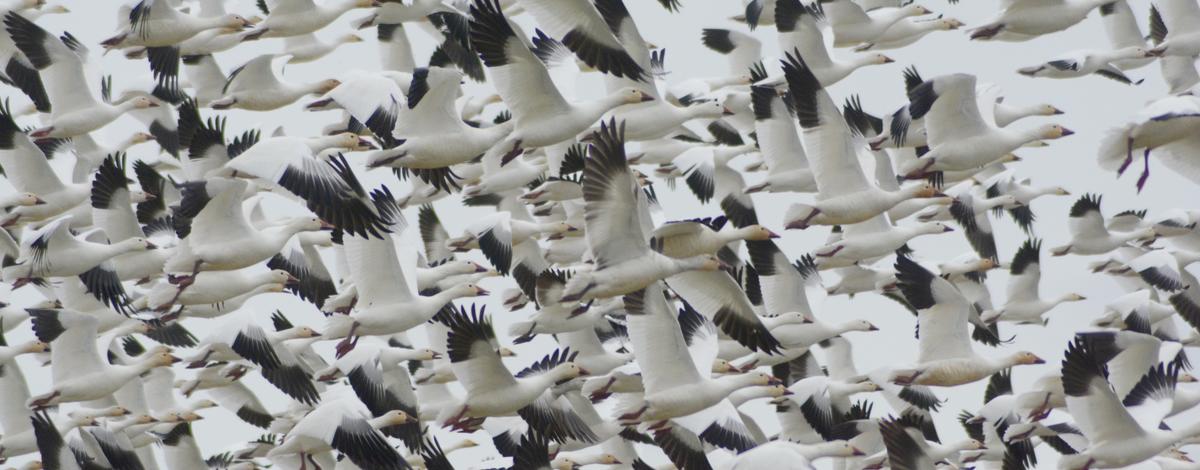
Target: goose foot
582, 309
1128, 156
44, 401
906, 380
831, 253
603, 392
633, 416
1146, 172
508, 157
803, 223
987, 32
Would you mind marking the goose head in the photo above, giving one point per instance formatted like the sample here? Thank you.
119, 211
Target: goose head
234, 22
203, 404
300, 332
857, 325
706, 110
756, 232
391, 418
913, 9
28, 199
1052, 131
159, 359
1025, 358
567, 371
135, 244
948, 24
325, 86
930, 228
141, 102
277, 277
874, 59
838, 448
922, 191
630, 95
32, 347
467, 290
702, 263
721, 366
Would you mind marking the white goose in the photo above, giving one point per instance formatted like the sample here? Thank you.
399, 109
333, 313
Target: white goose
1022, 20
72, 338
1089, 236
241, 338
345, 425
112, 211
309, 48
327, 184
946, 356
1117, 435
541, 116
787, 164
852, 249
613, 207
52, 251
799, 32
1025, 304
908, 31
1081, 63
287, 18
30, 172
844, 195
493, 391
156, 23
674, 386
74, 110
386, 303
211, 287
220, 235
959, 136
1167, 125
254, 86
852, 26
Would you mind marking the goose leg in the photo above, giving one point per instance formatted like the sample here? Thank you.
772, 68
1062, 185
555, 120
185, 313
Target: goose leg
1128, 156
634, 415
347, 345
1146, 172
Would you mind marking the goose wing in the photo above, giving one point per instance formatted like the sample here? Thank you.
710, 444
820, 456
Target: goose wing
660, 349
518, 75
612, 223
941, 312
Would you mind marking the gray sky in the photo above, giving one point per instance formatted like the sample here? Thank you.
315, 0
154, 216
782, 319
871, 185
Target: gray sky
1092, 105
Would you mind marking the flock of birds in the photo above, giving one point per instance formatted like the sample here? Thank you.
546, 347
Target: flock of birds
656, 331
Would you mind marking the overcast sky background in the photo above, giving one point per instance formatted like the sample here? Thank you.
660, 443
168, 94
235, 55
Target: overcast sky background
1092, 105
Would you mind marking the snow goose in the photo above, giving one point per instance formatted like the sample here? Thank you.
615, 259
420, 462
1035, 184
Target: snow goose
658, 119
378, 375
852, 249
908, 31
579, 25
345, 425
1089, 236
73, 349
211, 287
1168, 125
844, 195
946, 356
1117, 435
543, 118
329, 187
74, 110
959, 136
1025, 304
741, 50
653, 325
24, 441
1081, 63
1122, 30
386, 302
112, 211
1025, 193
234, 244
52, 251
1021, 20
29, 171
427, 134
852, 26
613, 207
308, 47
798, 30
254, 86
156, 23
241, 338
787, 164
972, 215
476, 362
287, 18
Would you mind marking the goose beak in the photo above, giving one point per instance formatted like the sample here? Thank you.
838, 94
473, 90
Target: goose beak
175, 360
1039, 360
888, 60
772, 234
1157, 52
37, 201
364, 144
726, 112
1057, 111
774, 381
292, 280
436, 355
318, 104
1067, 132
481, 291
327, 226
151, 246
646, 98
